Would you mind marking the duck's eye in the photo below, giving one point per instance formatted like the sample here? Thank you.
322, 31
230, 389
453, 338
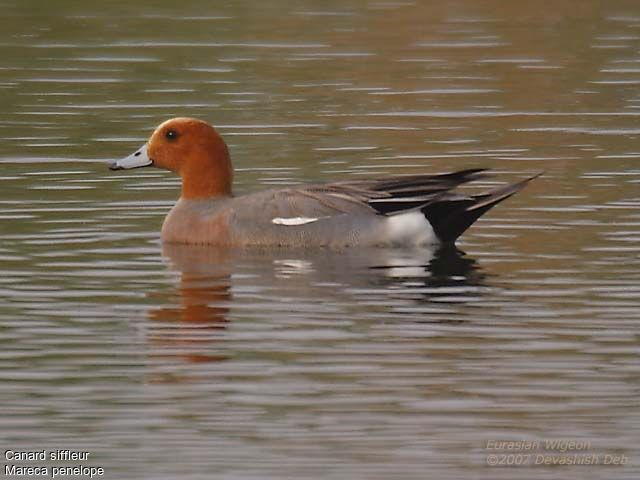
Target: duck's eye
171, 135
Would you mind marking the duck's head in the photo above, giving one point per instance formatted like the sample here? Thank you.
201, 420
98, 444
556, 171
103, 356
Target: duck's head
191, 148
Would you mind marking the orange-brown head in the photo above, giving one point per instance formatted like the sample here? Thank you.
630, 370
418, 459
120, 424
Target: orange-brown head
194, 150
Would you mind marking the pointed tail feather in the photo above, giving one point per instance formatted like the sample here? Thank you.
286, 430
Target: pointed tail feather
450, 217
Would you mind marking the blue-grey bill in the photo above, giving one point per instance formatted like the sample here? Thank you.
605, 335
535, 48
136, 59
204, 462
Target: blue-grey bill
136, 160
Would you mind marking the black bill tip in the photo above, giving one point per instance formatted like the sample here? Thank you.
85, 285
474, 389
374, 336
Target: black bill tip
113, 165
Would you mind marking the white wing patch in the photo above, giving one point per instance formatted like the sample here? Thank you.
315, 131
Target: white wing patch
293, 221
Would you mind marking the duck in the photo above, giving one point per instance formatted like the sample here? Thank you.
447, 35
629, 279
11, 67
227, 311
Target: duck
412, 210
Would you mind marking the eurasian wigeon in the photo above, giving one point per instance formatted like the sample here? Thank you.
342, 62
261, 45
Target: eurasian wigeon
408, 210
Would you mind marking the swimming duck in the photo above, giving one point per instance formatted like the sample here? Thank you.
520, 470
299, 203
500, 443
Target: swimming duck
400, 211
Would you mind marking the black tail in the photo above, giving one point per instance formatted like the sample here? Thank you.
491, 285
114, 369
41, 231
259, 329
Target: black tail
451, 215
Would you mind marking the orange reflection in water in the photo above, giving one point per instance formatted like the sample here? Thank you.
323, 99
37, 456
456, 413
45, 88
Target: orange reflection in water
190, 328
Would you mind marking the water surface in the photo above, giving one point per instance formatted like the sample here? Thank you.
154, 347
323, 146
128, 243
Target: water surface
169, 361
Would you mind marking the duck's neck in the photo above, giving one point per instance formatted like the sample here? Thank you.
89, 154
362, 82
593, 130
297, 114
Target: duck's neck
207, 183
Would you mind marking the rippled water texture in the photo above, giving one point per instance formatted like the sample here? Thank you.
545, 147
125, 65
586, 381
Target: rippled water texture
173, 362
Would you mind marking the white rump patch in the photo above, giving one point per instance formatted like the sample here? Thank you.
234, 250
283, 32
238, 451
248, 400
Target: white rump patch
293, 221
410, 229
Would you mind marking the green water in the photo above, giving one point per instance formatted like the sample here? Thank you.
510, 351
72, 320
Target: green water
178, 362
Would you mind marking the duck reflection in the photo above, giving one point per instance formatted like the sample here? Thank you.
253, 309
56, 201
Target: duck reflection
188, 328
208, 278
444, 275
